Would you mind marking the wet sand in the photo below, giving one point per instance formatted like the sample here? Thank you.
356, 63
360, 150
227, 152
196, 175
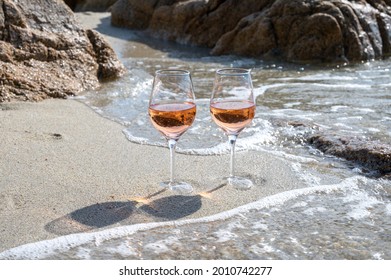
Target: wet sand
65, 169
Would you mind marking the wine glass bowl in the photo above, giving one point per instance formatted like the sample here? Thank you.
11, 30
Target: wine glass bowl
232, 107
232, 116
172, 111
172, 119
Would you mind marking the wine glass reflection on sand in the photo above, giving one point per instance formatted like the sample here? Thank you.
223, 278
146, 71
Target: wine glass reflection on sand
172, 111
232, 108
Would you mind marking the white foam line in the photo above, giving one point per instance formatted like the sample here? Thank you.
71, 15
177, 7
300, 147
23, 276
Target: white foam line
45, 248
314, 85
318, 77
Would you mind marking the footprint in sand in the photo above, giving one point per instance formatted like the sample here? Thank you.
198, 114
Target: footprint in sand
10, 202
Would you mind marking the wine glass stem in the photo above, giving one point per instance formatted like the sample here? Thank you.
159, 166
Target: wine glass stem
171, 145
232, 142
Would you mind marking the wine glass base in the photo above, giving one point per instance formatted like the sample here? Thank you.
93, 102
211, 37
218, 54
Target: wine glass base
177, 187
239, 183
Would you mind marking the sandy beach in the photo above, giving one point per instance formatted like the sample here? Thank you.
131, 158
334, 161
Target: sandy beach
65, 169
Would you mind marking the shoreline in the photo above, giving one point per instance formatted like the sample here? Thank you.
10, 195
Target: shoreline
66, 169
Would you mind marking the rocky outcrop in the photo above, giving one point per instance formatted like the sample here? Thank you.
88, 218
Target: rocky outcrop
374, 156
45, 53
90, 5
293, 30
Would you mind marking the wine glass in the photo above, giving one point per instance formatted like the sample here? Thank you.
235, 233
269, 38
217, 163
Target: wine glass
172, 111
232, 107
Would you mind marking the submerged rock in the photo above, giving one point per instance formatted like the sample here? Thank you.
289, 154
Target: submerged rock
45, 53
374, 157
369, 154
293, 30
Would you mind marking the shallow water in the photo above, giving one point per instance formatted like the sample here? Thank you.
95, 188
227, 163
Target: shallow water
340, 215
348, 222
349, 99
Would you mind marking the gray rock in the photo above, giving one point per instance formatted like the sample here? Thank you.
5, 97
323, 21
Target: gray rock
45, 53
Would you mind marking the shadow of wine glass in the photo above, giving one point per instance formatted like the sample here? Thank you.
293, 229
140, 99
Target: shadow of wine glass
173, 207
91, 217
100, 215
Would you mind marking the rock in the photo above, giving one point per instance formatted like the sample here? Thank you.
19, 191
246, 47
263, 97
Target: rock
90, 5
108, 65
374, 157
369, 154
292, 30
133, 14
45, 53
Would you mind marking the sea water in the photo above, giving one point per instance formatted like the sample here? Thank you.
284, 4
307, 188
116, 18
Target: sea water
345, 216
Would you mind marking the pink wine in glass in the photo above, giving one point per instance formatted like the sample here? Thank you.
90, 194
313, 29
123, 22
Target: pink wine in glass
232, 116
232, 107
172, 119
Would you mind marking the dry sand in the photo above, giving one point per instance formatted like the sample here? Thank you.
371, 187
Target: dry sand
65, 169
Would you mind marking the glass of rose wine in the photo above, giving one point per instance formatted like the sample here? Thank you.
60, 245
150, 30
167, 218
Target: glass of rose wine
232, 107
172, 110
